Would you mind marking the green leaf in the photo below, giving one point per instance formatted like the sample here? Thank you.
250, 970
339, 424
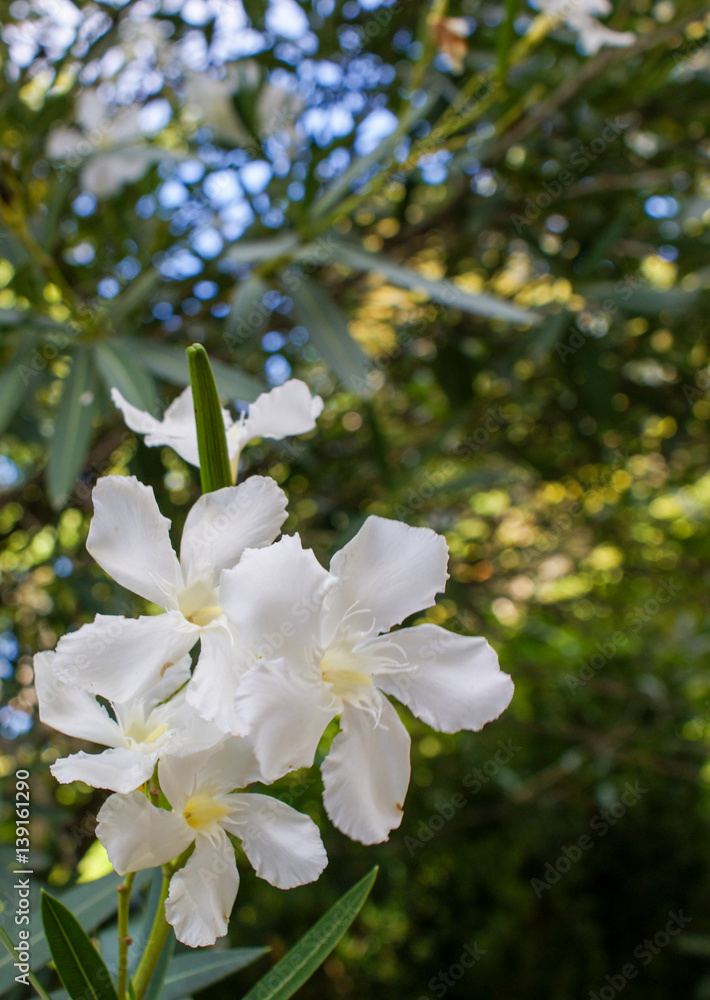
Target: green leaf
119, 370
301, 962
255, 251
73, 428
169, 363
329, 333
196, 970
215, 472
248, 313
80, 967
445, 292
91, 903
155, 989
14, 380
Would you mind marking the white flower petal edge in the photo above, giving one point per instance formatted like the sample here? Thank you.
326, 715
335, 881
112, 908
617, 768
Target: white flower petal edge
202, 893
284, 714
451, 682
387, 572
366, 774
283, 846
120, 769
121, 658
222, 524
129, 538
287, 410
136, 835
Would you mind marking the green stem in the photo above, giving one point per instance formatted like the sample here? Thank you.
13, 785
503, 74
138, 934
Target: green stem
7, 941
158, 933
124, 940
215, 472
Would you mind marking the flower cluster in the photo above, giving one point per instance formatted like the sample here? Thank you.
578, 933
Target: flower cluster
285, 647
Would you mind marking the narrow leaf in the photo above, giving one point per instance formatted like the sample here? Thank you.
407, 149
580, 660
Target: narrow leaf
80, 967
155, 990
255, 251
169, 363
248, 313
14, 381
444, 292
215, 472
119, 370
91, 903
329, 334
301, 962
193, 972
73, 428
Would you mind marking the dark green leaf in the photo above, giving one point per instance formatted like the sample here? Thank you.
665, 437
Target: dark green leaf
91, 903
73, 428
15, 379
80, 967
329, 333
301, 962
155, 989
215, 472
193, 972
118, 369
445, 292
169, 363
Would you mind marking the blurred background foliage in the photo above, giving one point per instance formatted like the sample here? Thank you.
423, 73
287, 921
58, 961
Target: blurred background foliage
490, 256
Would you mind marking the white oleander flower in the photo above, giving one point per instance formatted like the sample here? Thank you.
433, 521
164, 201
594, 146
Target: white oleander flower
112, 144
581, 16
321, 651
140, 732
283, 845
120, 658
287, 410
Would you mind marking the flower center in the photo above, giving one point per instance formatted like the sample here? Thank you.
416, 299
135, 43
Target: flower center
339, 668
203, 812
199, 603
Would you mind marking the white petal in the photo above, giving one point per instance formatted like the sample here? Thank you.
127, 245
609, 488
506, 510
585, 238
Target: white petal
202, 893
387, 572
120, 770
212, 689
283, 845
284, 714
137, 420
129, 538
222, 524
169, 683
456, 681
274, 598
177, 429
69, 709
120, 658
190, 733
138, 835
366, 774
287, 410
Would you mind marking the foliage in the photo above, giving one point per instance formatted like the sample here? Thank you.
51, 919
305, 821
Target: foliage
562, 448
